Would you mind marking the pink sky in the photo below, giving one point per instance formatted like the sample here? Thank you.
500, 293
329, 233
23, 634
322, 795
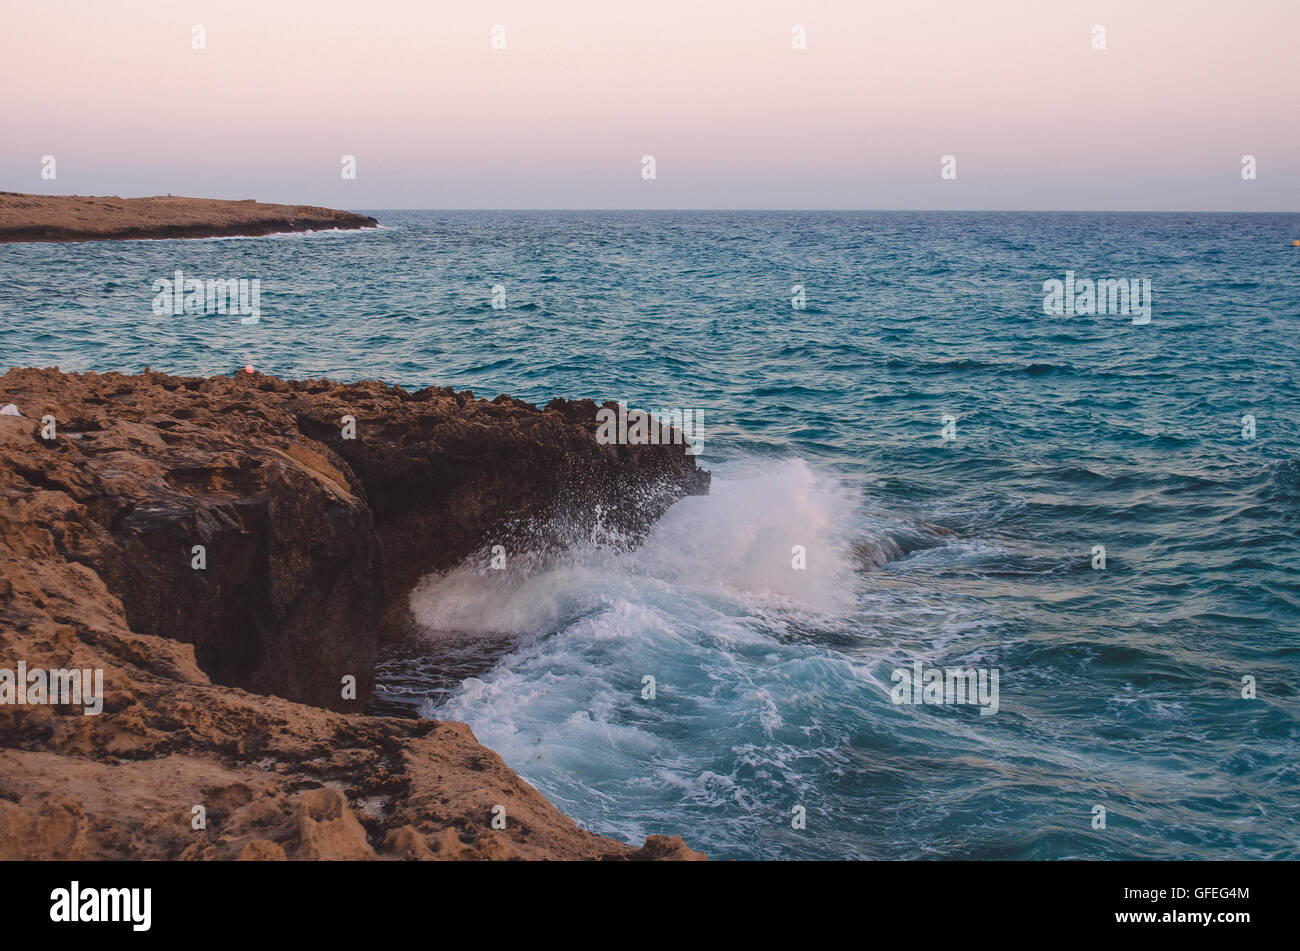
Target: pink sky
734, 116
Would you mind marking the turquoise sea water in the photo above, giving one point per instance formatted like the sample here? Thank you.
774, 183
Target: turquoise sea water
1119, 687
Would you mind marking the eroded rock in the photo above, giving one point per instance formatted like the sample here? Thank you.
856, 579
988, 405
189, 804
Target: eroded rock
222, 683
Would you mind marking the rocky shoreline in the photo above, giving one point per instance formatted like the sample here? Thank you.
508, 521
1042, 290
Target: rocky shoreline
86, 218
229, 550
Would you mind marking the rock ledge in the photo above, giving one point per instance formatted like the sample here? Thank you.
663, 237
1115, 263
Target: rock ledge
222, 684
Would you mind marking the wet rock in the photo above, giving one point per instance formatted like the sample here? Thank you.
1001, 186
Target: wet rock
226, 557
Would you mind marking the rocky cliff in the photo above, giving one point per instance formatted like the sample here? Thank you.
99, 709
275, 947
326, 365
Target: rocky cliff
230, 551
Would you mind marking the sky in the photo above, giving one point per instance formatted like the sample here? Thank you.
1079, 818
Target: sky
734, 115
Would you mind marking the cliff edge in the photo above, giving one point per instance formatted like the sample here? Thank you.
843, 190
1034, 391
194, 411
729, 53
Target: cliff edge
229, 550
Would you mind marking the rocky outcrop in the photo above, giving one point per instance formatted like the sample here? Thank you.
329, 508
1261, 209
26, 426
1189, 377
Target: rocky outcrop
228, 551
104, 218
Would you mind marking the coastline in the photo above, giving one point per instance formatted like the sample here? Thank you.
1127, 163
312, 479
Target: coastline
222, 682
64, 218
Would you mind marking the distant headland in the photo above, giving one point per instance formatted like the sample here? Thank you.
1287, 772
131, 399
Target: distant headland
98, 218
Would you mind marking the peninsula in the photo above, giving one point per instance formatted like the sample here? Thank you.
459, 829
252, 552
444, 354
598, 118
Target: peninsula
98, 218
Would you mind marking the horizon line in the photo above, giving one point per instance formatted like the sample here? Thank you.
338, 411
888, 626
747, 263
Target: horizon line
978, 211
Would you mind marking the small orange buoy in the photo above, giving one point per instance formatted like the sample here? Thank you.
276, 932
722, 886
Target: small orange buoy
1296, 243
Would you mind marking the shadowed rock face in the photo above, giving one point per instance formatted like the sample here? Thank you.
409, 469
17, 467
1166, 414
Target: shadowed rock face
312, 542
104, 218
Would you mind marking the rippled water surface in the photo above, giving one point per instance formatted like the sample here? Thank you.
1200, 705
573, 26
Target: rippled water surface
1119, 687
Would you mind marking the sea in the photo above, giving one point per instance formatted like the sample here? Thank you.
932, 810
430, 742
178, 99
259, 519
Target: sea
919, 464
